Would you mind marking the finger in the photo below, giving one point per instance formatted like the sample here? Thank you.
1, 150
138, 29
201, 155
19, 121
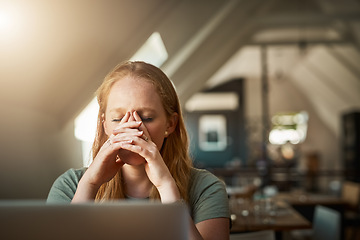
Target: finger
146, 135
128, 131
127, 136
111, 147
108, 150
136, 116
131, 118
135, 148
139, 146
127, 125
107, 143
125, 118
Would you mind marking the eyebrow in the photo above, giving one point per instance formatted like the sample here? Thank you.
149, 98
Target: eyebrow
140, 111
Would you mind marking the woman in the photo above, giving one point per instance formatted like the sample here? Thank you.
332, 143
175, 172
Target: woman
141, 151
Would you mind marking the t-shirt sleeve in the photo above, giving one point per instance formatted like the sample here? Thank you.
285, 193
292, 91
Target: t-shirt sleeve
64, 187
208, 197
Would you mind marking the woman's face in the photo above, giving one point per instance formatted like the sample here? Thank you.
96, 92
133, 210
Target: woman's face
129, 95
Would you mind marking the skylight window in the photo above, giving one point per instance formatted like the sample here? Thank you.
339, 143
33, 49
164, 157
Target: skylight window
153, 51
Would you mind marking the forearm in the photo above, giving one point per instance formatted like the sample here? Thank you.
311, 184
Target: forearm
169, 193
85, 192
194, 233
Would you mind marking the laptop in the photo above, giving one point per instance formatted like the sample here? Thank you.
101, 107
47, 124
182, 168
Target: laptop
126, 220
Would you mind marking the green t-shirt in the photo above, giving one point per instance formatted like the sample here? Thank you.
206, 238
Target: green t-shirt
207, 194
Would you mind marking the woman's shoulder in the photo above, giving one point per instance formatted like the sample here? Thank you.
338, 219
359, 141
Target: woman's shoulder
71, 177
203, 175
203, 179
64, 187
74, 173
79, 172
207, 196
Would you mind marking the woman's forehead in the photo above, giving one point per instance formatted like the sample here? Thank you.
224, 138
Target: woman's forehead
137, 93
130, 85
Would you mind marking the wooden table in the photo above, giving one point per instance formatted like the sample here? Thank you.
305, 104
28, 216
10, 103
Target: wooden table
310, 199
305, 203
285, 219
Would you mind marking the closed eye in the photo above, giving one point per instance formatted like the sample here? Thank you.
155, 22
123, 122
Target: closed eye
146, 119
116, 119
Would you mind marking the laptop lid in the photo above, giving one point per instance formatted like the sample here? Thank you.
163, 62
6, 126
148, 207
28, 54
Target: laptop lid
119, 220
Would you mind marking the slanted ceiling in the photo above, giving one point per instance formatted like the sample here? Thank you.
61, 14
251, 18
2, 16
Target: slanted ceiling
57, 53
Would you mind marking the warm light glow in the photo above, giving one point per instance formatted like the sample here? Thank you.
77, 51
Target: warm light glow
10, 19
278, 136
5, 18
290, 128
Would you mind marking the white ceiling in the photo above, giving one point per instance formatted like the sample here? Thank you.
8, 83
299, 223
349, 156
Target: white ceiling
56, 53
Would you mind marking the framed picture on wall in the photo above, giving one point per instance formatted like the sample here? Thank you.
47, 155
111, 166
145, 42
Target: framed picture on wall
212, 132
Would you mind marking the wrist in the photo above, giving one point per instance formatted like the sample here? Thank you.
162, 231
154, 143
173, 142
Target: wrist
90, 181
85, 191
169, 192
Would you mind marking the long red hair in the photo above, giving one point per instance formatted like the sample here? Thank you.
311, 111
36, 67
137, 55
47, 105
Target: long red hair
175, 147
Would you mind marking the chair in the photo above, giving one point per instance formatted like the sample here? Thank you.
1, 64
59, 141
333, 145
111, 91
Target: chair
326, 224
263, 235
350, 193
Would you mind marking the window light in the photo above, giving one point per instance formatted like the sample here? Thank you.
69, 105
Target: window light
153, 51
290, 127
85, 128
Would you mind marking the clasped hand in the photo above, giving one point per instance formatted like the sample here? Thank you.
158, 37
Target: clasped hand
130, 143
